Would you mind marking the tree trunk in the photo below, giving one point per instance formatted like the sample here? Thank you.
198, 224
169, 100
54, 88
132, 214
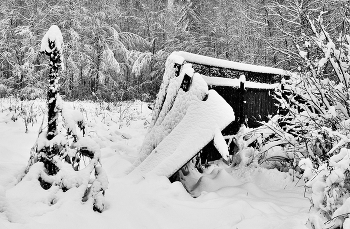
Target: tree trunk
55, 63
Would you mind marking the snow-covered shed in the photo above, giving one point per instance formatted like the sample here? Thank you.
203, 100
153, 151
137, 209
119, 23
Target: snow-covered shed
251, 101
189, 116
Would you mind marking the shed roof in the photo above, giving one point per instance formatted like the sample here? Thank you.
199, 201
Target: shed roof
210, 61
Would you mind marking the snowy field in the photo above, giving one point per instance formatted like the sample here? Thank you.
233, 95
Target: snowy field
249, 197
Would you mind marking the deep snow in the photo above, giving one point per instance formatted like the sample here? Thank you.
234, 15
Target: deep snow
246, 197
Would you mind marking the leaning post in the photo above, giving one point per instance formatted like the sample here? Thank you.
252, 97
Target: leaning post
242, 101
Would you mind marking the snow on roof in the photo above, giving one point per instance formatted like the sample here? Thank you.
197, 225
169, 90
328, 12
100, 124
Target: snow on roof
195, 130
176, 58
220, 81
210, 61
54, 35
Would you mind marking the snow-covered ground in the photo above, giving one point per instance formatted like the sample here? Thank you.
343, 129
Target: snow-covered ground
249, 198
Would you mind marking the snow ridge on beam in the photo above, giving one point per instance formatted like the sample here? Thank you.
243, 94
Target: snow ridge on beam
228, 82
210, 61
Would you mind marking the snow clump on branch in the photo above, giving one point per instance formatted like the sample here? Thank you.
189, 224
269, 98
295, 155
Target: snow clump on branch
52, 36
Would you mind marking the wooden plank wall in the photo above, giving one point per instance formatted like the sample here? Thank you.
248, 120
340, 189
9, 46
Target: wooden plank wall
260, 103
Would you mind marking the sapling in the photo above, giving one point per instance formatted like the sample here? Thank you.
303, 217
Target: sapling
61, 150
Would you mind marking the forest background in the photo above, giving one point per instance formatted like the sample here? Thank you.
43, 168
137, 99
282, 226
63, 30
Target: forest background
115, 50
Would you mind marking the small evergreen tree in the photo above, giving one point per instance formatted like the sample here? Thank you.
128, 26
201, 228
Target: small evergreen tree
59, 156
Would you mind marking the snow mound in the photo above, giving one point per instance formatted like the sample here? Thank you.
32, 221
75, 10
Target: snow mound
196, 129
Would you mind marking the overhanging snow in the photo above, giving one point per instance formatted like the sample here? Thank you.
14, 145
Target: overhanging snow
195, 130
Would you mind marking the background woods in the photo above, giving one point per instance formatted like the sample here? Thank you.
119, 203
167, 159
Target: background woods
116, 49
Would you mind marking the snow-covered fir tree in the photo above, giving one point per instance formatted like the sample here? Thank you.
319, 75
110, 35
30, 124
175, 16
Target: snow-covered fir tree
63, 155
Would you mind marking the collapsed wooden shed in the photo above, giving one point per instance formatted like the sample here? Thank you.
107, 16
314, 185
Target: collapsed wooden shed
189, 120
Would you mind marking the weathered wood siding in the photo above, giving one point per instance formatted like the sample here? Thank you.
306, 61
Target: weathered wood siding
260, 103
